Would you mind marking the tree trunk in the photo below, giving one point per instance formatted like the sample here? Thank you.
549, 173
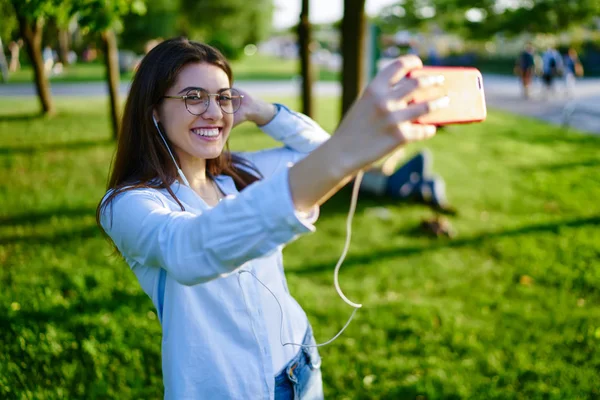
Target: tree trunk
32, 36
3, 64
353, 44
111, 60
63, 46
304, 39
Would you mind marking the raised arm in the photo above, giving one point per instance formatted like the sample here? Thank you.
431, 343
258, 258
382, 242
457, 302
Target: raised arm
197, 248
298, 133
377, 124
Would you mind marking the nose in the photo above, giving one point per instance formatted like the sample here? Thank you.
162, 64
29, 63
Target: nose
213, 112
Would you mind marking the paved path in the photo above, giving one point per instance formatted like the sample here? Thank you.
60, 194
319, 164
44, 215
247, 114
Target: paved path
502, 92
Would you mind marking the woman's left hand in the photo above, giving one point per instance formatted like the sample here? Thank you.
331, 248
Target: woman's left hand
254, 110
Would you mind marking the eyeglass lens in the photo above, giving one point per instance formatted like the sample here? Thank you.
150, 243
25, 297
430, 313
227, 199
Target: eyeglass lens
198, 100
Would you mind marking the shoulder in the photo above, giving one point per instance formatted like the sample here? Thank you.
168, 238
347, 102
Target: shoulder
129, 204
132, 197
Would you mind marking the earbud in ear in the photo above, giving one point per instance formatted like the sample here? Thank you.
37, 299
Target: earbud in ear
156, 123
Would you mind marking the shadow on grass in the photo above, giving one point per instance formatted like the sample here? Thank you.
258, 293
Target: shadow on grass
21, 117
550, 139
79, 306
38, 217
53, 238
563, 166
382, 254
79, 145
340, 202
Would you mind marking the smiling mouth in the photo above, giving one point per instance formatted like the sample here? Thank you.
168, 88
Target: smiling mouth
206, 132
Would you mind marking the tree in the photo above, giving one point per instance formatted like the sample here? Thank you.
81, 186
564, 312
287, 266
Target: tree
31, 16
159, 21
229, 25
62, 20
304, 39
483, 19
8, 22
103, 17
353, 43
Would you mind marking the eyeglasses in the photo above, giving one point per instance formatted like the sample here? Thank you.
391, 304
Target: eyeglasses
198, 100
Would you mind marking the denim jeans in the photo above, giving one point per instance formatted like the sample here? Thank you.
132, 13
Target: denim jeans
300, 379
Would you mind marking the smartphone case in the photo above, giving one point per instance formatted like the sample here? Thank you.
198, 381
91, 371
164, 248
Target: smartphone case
464, 88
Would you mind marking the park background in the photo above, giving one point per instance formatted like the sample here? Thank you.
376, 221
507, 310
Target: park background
506, 309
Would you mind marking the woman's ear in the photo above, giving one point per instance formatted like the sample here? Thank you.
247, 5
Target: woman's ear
155, 116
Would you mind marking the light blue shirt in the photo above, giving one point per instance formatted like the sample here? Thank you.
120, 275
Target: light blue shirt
221, 327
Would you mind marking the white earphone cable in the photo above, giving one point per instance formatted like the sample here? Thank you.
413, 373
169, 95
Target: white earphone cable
351, 212
356, 306
179, 171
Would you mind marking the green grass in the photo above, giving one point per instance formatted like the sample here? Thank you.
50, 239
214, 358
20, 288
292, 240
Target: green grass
442, 318
257, 67
92, 72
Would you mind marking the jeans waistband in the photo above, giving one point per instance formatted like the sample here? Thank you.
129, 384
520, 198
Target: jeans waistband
301, 359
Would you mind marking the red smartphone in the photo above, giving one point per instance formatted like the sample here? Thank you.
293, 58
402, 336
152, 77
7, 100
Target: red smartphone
464, 88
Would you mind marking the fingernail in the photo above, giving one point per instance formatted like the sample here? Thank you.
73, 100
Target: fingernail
439, 103
430, 130
434, 80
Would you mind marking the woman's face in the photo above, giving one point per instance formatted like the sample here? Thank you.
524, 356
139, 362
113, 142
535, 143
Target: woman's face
196, 136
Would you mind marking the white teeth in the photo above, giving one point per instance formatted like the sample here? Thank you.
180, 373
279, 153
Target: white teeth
208, 132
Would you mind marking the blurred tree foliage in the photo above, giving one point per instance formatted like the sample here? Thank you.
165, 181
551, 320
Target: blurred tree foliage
8, 21
482, 19
31, 17
161, 20
228, 25
105, 19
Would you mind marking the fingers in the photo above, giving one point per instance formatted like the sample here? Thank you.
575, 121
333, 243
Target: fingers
416, 133
406, 87
395, 71
414, 111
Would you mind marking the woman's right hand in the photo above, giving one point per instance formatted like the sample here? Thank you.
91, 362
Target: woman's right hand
380, 120
378, 123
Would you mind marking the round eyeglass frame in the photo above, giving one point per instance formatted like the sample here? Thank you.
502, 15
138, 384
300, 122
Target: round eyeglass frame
191, 92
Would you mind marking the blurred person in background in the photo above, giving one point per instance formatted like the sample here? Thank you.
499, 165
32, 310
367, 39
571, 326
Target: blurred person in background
3, 64
572, 70
48, 58
15, 49
525, 68
552, 68
413, 181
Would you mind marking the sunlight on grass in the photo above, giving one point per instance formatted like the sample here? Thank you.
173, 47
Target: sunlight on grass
506, 310
256, 67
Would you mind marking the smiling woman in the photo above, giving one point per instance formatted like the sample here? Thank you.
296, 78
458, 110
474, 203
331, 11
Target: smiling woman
202, 228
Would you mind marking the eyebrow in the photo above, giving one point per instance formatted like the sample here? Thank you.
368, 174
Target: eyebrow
197, 88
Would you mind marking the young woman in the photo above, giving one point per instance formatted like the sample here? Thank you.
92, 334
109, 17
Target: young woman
202, 228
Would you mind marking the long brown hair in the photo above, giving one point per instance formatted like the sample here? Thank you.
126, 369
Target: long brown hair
141, 159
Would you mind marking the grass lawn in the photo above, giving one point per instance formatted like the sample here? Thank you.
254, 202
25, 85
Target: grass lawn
257, 67
509, 309
93, 72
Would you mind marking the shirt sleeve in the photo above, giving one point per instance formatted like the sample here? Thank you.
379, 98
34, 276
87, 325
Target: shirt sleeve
299, 135
295, 130
196, 248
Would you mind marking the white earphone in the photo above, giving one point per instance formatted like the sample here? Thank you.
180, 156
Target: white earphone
179, 171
